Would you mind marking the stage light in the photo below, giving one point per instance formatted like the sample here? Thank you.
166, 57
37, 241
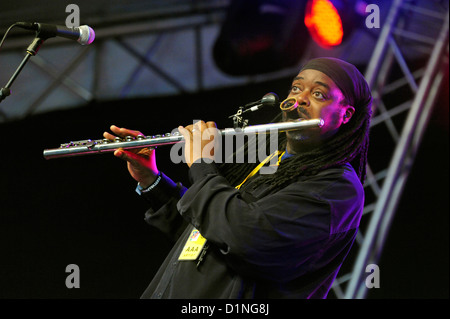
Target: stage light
330, 22
261, 36
324, 23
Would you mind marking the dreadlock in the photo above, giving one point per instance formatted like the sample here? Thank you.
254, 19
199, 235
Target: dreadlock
349, 145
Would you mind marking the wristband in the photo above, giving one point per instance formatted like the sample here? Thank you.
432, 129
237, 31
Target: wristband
155, 183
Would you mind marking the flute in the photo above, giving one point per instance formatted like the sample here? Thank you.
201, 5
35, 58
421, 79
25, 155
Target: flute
86, 147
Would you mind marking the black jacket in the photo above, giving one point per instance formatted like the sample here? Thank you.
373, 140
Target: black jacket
261, 244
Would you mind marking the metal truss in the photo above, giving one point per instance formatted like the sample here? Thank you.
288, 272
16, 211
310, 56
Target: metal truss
64, 75
164, 51
404, 122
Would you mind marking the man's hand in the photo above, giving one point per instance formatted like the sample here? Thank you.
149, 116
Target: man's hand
199, 140
141, 163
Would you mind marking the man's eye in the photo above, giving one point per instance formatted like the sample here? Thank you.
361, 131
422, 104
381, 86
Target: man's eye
319, 95
295, 89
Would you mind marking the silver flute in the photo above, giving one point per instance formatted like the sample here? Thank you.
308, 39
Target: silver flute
86, 147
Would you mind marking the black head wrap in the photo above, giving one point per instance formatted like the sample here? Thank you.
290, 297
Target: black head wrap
347, 78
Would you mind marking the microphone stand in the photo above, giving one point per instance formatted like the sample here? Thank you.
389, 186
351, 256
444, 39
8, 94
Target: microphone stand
238, 121
32, 50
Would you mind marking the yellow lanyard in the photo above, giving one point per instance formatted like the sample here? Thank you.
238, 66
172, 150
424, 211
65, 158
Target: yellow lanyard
195, 247
257, 168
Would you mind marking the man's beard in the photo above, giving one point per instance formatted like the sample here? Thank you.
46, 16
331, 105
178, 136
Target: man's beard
298, 136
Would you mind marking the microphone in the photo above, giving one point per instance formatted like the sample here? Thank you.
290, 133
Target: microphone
83, 34
269, 99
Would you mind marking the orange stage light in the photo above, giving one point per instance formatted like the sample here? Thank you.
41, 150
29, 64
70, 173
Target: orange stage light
324, 23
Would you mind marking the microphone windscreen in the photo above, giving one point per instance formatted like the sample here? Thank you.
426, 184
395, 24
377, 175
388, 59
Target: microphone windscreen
87, 35
270, 99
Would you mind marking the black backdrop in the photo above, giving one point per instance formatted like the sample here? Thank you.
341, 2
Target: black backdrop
84, 210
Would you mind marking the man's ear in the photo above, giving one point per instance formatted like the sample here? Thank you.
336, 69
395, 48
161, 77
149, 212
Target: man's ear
349, 111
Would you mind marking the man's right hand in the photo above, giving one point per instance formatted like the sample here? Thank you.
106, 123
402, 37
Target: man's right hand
141, 162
